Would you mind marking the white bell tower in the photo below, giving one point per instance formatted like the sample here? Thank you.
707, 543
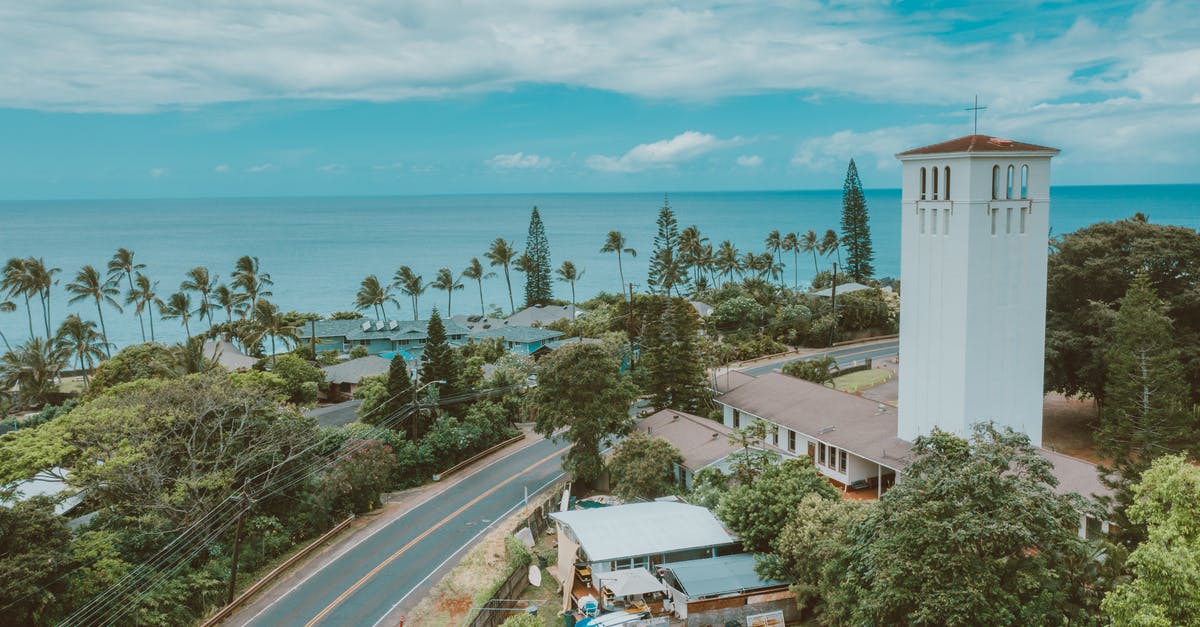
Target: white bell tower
973, 285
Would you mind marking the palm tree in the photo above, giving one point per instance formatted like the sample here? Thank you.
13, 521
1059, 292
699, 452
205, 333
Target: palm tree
810, 244
791, 242
774, 245
199, 281
143, 296
177, 305
411, 284
475, 272
267, 320
830, 243
89, 284
78, 337
41, 280
33, 369
16, 281
728, 260
503, 254
251, 280
568, 274
616, 244
6, 307
691, 250
374, 294
445, 281
228, 300
122, 264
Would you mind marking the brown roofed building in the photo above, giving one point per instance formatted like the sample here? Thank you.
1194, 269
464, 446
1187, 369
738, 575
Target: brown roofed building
976, 144
701, 442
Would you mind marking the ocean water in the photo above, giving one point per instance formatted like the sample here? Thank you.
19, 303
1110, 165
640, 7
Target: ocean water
317, 250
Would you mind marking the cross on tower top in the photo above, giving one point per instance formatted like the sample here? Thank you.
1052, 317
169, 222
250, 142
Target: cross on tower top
976, 109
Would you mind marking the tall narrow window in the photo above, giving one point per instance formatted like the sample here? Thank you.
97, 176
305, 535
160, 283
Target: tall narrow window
995, 182
923, 184
935, 184
946, 222
933, 219
921, 219
1008, 221
821, 453
1025, 181
991, 211
1009, 190
947, 183
791, 440
1024, 212
842, 462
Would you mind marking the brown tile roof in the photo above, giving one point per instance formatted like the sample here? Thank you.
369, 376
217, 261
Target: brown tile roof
701, 441
977, 143
859, 425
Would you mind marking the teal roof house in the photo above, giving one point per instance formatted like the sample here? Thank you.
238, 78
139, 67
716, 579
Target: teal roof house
379, 336
520, 340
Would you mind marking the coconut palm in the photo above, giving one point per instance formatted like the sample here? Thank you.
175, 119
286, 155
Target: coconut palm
476, 273
122, 264
89, 284
41, 279
411, 284
728, 260
142, 296
691, 250
78, 337
228, 300
445, 281
16, 281
774, 243
567, 273
374, 294
177, 306
204, 285
810, 244
615, 243
791, 242
32, 368
830, 243
251, 280
503, 254
266, 320
6, 306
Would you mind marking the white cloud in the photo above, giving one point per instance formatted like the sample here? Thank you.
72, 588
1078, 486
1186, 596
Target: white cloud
519, 161
830, 153
262, 167
749, 161
158, 172
222, 168
663, 153
330, 168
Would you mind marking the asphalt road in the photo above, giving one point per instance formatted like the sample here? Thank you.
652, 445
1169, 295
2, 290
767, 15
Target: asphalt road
844, 356
390, 569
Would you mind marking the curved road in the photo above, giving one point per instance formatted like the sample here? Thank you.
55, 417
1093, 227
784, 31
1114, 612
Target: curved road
845, 356
389, 568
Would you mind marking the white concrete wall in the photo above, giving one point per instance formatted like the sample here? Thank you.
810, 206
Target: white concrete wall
858, 468
972, 314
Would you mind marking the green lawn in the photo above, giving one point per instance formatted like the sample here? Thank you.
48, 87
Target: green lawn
863, 379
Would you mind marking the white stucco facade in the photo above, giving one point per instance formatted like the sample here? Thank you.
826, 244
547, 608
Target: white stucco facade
973, 283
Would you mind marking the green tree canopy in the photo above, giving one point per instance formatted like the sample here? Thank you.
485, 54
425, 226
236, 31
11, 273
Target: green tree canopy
580, 387
667, 271
673, 362
644, 467
1089, 272
856, 229
757, 510
975, 534
539, 288
34, 554
818, 369
1165, 589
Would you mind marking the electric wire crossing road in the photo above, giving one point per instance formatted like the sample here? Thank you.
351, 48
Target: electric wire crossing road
375, 577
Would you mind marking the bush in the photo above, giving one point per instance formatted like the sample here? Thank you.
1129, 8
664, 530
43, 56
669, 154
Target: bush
820, 370
738, 313
328, 358
519, 555
359, 351
296, 373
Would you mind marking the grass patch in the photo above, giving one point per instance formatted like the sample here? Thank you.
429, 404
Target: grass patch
863, 379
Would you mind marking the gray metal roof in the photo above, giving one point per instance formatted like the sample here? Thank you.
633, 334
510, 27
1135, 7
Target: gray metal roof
636, 529
228, 356
544, 314
518, 334
354, 370
396, 330
716, 576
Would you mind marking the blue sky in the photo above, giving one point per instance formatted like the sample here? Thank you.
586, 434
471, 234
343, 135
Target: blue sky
158, 99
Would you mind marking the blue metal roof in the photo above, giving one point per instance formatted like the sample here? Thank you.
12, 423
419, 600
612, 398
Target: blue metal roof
719, 575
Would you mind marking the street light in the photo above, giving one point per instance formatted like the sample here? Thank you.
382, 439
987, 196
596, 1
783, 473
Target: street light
417, 390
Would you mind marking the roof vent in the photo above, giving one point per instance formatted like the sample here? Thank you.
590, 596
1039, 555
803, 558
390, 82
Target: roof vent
716, 435
366, 326
379, 325
825, 430
393, 325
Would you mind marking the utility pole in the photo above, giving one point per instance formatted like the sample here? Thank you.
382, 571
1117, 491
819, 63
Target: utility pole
833, 305
237, 548
631, 327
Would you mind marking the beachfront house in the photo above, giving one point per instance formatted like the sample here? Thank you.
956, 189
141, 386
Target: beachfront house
521, 340
702, 443
378, 336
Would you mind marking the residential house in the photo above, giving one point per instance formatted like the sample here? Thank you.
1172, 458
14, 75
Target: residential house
519, 339
725, 589
702, 443
378, 336
542, 315
344, 377
228, 356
